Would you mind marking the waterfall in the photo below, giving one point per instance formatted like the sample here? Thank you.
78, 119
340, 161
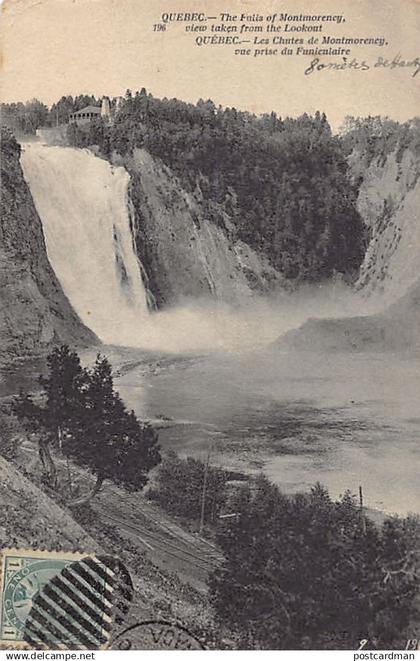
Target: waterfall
82, 201
86, 212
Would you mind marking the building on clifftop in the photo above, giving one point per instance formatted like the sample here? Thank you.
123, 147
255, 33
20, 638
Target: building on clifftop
88, 113
85, 115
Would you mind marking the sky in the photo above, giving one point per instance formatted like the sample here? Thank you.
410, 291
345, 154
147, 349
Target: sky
52, 48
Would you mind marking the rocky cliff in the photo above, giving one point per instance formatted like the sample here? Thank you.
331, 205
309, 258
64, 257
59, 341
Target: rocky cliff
188, 249
34, 312
389, 203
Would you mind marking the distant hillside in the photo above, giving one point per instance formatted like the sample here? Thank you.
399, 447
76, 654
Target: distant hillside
397, 329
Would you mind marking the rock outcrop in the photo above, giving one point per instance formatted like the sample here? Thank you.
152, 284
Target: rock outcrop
395, 329
389, 203
34, 312
188, 249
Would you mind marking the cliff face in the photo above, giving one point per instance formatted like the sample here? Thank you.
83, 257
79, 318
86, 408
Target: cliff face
183, 251
34, 312
389, 203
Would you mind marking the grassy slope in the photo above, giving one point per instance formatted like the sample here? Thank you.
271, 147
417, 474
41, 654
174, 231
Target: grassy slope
29, 518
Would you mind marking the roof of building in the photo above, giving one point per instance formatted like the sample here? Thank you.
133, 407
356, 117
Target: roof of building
88, 109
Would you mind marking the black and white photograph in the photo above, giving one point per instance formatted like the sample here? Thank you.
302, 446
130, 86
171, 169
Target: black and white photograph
210, 326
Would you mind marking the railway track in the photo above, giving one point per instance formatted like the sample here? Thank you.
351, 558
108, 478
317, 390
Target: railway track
166, 544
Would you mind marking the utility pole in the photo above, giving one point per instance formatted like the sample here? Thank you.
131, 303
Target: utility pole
69, 477
203, 494
361, 509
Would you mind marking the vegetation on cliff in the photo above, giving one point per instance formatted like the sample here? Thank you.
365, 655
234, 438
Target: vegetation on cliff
26, 118
377, 137
283, 183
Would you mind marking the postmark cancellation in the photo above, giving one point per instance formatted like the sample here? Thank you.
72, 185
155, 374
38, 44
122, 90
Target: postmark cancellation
54, 600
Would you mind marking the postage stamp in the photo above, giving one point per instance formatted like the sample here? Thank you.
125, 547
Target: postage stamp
55, 600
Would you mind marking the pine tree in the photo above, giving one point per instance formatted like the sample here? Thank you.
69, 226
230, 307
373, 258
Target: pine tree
110, 440
63, 401
79, 414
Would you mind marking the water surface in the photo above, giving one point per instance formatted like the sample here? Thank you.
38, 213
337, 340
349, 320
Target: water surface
342, 419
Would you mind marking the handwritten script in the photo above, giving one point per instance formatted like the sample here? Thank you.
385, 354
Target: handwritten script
346, 64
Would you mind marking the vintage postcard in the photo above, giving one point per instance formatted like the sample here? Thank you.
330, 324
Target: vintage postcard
210, 324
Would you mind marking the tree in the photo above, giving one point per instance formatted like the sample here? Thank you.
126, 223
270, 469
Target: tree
97, 134
309, 572
60, 111
179, 487
60, 406
109, 440
25, 118
79, 414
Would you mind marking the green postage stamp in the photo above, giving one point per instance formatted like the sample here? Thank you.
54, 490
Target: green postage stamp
54, 600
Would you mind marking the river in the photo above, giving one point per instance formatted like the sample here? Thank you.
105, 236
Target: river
342, 419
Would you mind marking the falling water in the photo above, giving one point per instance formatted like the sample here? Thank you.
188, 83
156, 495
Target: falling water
82, 202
